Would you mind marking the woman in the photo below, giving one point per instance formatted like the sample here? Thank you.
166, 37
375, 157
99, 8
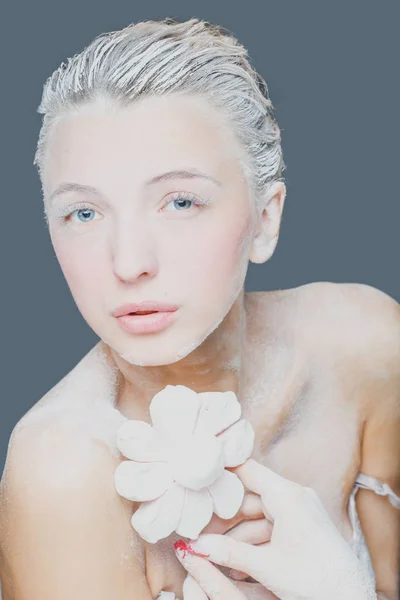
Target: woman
161, 168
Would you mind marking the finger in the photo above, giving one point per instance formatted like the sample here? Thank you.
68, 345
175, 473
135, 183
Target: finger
226, 551
192, 590
240, 575
251, 508
218, 525
214, 583
252, 532
277, 493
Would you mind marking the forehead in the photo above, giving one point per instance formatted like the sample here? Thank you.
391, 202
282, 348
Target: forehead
151, 136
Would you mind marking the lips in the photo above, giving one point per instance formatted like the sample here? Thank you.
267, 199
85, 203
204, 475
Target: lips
149, 306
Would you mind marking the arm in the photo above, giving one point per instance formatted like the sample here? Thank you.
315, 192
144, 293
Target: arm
65, 531
380, 520
380, 452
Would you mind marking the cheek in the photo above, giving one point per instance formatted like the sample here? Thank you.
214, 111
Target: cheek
83, 268
220, 258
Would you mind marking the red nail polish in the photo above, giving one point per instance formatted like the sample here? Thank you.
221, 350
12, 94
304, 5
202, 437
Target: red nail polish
181, 548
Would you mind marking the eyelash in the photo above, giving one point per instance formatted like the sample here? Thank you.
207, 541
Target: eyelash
70, 210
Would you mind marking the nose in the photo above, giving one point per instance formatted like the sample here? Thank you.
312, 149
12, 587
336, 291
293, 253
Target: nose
134, 253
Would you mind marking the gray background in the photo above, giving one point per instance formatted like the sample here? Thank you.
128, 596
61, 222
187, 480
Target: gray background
332, 72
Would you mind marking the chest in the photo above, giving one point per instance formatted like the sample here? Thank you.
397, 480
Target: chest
305, 430
307, 424
303, 409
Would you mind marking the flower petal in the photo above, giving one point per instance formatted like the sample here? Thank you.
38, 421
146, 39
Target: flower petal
218, 411
157, 519
142, 481
227, 494
238, 442
196, 513
198, 462
139, 441
174, 410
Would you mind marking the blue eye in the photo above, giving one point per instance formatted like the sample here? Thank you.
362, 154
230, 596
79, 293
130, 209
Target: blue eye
181, 202
66, 213
83, 210
181, 199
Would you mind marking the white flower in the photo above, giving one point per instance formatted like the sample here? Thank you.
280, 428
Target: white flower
177, 465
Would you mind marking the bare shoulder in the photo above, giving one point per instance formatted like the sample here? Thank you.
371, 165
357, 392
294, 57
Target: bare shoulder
351, 328
322, 307
360, 312
62, 443
345, 297
81, 405
356, 327
55, 442
58, 506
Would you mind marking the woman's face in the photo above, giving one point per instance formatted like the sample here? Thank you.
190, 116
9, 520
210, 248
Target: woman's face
181, 240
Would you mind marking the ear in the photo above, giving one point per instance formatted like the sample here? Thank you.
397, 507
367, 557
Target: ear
269, 220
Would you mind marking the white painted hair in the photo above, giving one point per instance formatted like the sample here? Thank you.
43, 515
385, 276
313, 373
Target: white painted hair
167, 56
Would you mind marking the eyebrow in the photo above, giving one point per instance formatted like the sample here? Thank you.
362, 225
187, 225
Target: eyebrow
67, 186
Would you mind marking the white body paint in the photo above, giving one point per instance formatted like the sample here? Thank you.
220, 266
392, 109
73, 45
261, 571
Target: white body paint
305, 416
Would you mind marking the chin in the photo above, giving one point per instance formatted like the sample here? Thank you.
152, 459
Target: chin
155, 351
167, 347
154, 354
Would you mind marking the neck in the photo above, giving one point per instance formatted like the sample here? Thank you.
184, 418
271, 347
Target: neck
216, 365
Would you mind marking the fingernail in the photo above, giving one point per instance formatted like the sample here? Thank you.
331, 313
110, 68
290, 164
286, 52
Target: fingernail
181, 549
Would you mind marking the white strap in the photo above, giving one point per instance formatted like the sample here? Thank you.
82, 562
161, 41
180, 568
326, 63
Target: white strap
382, 489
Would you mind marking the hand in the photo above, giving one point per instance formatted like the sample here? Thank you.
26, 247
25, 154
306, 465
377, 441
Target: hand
207, 582
305, 557
248, 525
